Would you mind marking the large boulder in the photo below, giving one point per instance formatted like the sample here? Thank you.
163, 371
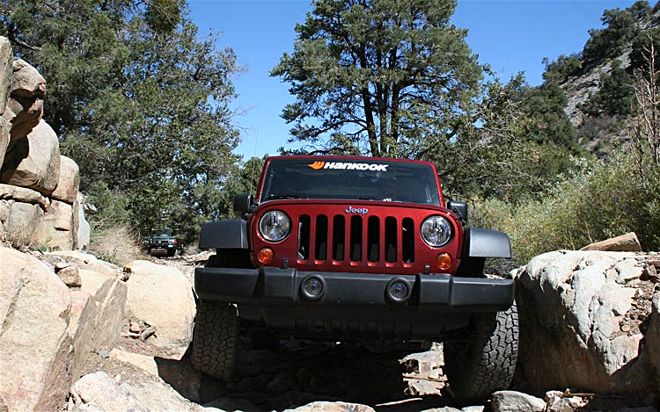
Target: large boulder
322, 406
5, 129
97, 322
587, 311
26, 81
100, 390
25, 105
55, 230
142, 393
83, 231
5, 74
67, 187
35, 348
81, 329
21, 194
33, 162
21, 211
88, 261
625, 243
162, 296
512, 401
18, 221
653, 339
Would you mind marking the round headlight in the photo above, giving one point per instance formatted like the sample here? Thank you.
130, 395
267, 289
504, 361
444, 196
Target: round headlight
274, 226
436, 231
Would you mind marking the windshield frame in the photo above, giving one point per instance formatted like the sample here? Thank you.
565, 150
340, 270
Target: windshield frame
269, 160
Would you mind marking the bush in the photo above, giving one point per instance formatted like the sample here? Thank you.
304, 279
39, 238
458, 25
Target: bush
118, 244
601, 201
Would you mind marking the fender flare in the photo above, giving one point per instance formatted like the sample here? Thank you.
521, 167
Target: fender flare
486, 243
224, 234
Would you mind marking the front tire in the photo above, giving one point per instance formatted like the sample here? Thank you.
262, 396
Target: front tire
486, 362
215, 339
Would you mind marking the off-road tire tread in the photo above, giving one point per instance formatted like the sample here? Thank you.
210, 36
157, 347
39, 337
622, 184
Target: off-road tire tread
215, 339
491, 361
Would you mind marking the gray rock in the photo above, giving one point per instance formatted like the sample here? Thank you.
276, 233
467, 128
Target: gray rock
22, 194
332, 407
512, 401
5, 130
5, 75
56, 229
574, 305
149, 286
33, 162
652, 346
84, 230
70, 275
35, 348
624, 243
26, 81
100, 390
19, 221
69, 182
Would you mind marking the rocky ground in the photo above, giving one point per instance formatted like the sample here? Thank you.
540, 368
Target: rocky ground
298, 373
82, 334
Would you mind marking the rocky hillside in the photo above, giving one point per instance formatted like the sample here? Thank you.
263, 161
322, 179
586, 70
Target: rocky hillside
40, 205
598, 82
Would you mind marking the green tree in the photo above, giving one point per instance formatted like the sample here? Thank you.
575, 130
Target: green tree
503, 152
557, 71
621, 26
615, 97
140, 102
378, 76
545, 119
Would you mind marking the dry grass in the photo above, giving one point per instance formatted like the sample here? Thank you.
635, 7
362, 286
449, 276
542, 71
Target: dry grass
116, 244
18, 241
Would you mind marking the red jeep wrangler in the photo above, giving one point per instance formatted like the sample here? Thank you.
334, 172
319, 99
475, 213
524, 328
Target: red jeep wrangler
357, 249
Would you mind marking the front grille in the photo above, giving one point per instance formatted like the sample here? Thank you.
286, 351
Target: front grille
364, 240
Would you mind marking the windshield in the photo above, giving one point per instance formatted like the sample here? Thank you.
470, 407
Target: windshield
350, 179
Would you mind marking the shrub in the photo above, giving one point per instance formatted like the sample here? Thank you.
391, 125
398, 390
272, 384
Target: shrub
118, 244
603, 200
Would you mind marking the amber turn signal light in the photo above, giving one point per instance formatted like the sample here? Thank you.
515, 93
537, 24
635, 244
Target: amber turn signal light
444, 261
265, 256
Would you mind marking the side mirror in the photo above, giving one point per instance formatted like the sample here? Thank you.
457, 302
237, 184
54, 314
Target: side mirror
460, 208
242, 203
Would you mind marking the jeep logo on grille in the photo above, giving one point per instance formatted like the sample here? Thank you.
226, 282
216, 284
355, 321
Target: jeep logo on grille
357, 210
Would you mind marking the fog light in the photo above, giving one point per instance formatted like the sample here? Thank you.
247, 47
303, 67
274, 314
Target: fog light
444, 261
265, 256
398, 290
312, 287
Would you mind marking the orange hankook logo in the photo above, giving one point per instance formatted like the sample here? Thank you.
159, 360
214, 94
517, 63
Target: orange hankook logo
316, 165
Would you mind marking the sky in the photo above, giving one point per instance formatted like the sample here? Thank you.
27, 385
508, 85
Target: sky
510, 35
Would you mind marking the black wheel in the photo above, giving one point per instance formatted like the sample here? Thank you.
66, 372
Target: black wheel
215, 339
171, 252
486, 361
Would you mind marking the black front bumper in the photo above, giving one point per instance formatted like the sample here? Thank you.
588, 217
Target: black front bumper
354, 304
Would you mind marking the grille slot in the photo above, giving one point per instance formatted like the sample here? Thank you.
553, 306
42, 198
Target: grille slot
303, 237
356, 238
408, 240
390, 240
338, 237
321, 241
373, 238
